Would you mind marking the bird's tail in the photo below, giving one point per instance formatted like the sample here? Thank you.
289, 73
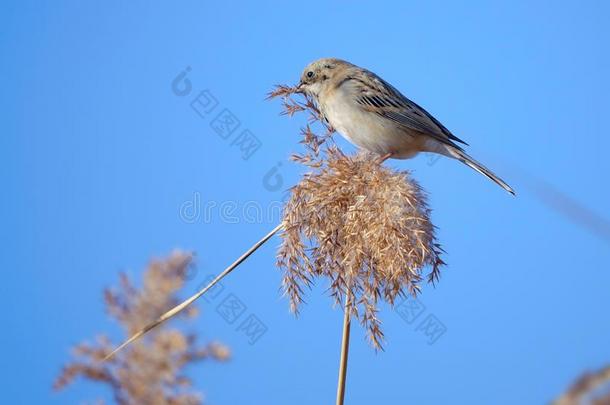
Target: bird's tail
467, 160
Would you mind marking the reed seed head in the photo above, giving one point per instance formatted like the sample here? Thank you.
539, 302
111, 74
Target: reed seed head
363, 226
152, 370
590, 388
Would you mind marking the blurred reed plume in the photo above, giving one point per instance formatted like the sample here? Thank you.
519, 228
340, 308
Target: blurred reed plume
151, 371
589, 389
363, 226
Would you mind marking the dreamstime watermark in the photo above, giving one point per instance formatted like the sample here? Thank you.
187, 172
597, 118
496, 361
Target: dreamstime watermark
195, 210
432, 158
234, 311
273, 179
230, 307
229, 127
224, 123
411, 309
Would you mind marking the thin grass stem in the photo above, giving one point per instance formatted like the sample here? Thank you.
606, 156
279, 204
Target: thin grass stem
178, 308
344, 352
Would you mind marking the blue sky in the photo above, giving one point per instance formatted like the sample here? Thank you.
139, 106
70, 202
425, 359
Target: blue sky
99, 156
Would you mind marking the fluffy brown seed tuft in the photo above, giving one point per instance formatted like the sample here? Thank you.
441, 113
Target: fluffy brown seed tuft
151, 370
363, 226
591, 388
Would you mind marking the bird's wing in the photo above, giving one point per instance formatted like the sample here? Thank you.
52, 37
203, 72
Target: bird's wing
377, 96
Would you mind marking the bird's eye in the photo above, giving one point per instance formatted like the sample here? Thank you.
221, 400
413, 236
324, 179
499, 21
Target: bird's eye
310, 74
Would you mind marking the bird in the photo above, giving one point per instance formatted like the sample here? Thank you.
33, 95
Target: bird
373, 115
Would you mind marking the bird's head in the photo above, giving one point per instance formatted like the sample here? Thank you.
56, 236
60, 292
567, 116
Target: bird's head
321, 75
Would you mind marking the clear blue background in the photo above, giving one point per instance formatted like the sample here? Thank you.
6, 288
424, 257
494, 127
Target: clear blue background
98, 155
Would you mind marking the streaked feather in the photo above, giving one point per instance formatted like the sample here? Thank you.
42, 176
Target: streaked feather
379, 97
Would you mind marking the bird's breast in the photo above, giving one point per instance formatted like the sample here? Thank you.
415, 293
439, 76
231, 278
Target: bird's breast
367, 129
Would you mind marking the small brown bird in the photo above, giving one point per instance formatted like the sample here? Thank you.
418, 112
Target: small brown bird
372, 114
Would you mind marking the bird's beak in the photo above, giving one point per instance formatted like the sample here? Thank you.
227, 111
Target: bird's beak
300, 87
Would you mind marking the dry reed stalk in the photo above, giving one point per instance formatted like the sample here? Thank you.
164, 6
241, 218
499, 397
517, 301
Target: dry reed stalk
344, 353
364, 227
345, 336
184, 304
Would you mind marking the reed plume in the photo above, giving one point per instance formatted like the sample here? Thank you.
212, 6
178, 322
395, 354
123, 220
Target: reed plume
363, 226
151, 371
591, 388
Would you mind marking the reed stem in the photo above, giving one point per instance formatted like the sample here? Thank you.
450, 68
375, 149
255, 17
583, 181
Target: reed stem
344, 352
175, 310
346, 332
